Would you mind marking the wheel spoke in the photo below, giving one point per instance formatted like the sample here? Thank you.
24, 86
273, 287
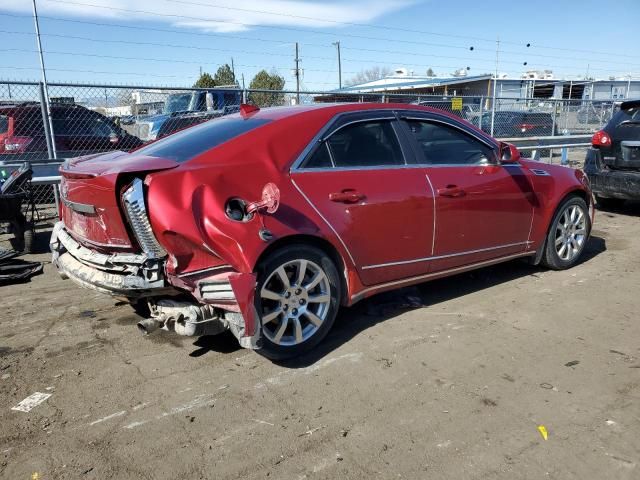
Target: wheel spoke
283, 278
317, 278
313, 318
270, 295
559, 240
269, 317
581, 231
322, 298
283, 327
562, 250
297, 329
579, 218
302, 269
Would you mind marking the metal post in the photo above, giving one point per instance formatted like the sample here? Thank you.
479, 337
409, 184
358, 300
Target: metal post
45, 89
628, 85
297, 60
337, 44
495, 80
45, 122
244, 91
481, 112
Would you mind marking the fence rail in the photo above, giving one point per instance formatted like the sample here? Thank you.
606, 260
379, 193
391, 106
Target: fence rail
93, 118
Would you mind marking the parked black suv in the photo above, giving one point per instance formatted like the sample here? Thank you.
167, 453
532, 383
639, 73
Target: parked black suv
77, 131
613, 161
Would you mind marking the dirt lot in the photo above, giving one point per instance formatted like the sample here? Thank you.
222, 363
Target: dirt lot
448, 380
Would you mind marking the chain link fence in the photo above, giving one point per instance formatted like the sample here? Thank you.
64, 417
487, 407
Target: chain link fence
83, 119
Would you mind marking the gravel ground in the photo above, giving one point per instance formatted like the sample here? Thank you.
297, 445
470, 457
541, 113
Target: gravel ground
447, 380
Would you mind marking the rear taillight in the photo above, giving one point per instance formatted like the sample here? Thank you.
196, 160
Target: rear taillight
601, 139
16, 144
525, 127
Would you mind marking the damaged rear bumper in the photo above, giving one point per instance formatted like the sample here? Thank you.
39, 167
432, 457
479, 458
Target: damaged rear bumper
137, 276
120, 274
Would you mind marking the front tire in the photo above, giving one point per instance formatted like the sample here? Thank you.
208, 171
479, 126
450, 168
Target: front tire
567, 235
297, 298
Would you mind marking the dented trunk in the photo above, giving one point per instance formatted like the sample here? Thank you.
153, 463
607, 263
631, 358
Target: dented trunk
91, 189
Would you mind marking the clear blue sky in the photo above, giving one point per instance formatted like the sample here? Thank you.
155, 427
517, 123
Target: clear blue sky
261, 34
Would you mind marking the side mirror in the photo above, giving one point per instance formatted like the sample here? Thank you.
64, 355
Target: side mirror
113, 138
509, 153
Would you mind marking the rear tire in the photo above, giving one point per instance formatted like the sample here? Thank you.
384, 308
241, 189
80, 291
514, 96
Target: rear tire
568, 234
609, 203
297, 298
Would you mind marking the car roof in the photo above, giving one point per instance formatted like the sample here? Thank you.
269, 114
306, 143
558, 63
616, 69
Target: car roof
329, 110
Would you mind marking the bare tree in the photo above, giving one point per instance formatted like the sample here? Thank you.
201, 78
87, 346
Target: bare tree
369, 75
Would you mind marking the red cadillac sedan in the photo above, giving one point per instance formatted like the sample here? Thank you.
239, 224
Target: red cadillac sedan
265, 222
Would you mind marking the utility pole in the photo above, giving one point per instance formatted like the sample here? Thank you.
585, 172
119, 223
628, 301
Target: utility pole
628, 85
233, 70
200, 72
54, 153
495, 80
297, 75
337, 44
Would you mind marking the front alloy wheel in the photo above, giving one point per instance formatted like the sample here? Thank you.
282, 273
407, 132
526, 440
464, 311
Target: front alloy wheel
568, 234
297, 298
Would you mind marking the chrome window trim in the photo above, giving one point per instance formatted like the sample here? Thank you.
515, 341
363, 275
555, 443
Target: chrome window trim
427, 276
440, 257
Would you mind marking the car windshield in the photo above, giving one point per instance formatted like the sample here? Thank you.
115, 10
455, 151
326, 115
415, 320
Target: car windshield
4, 124
178, 102
191, 142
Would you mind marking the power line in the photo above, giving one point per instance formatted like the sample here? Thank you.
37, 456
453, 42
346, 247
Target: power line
66, 70
608, 62
359, 60
200, 19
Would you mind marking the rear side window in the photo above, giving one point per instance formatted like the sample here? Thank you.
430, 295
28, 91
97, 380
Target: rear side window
4, 124
320, 158
189, 143
366, 144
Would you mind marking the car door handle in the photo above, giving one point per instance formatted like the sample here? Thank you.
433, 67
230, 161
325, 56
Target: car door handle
451, 191
346, 196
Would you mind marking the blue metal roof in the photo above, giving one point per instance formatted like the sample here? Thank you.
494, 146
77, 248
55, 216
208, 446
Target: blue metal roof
404, 84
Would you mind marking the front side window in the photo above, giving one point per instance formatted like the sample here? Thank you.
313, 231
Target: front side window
366, 144
445, 145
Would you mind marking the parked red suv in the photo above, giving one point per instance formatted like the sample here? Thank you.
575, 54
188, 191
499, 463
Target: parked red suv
266, 221
77, 130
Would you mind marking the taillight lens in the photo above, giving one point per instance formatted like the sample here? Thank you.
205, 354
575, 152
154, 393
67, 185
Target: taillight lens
525, 127
16, 144
601, 139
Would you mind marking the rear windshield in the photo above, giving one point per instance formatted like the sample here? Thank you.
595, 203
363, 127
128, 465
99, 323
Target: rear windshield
629, 115
4, 124
189, 143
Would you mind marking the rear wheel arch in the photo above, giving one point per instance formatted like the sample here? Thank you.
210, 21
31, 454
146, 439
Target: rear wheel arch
313, 241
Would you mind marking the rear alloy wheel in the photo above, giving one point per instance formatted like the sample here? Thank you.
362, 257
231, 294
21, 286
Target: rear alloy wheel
297, 298
568, 234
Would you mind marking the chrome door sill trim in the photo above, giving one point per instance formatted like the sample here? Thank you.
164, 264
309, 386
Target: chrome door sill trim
419, 278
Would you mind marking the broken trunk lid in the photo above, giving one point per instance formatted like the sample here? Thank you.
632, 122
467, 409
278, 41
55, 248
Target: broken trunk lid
90, 191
